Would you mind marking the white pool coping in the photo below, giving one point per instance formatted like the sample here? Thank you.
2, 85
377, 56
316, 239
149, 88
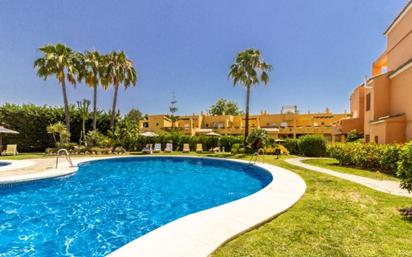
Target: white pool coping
14, 165
201, 233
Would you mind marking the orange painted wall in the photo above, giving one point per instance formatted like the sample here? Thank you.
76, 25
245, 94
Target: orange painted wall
379, 131
399, 41
401, 98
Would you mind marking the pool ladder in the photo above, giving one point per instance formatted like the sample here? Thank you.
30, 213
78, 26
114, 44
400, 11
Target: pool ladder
254, 158
67, 155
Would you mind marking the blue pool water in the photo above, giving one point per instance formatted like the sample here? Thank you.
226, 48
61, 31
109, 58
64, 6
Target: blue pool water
108, 203
4, 164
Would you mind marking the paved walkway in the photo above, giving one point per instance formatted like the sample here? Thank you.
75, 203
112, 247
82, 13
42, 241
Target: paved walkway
386, 186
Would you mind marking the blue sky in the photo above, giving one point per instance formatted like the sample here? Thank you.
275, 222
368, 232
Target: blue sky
320, 49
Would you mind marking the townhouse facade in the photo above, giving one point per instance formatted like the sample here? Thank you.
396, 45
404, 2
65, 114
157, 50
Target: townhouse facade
381, 106
287, 124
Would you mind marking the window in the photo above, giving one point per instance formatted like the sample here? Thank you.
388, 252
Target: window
145, 125
368, 102
157, 124
367, 138
376, 139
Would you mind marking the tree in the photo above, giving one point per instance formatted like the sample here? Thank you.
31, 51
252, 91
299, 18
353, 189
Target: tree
92, 63
249, 70
257, 139
173, 109
63, 62
59, 129
223, 106
83, 107
353, 136
118, 70
134, 115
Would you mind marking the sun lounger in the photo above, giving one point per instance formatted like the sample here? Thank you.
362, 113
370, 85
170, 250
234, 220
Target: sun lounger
169, 148
10, 150
148, 149
215, 150
199, 148
186, 148
157, 148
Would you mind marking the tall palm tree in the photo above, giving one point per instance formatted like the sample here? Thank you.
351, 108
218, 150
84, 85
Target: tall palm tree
91, 71
118, 71
61, 61
249, 70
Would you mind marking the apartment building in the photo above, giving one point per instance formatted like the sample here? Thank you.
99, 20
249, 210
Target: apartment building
381, 106
287, 124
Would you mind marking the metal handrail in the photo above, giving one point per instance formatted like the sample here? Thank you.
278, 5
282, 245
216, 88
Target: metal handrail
67, 155
256, 155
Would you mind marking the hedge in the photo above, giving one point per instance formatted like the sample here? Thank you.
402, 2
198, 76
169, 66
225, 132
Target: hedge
31, 122
392, 159
312, 145
367, 156
292, 145
405, 166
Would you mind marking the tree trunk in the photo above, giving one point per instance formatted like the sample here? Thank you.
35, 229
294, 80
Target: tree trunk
95, 108
247, 115
116, 91
66, 106
83, 137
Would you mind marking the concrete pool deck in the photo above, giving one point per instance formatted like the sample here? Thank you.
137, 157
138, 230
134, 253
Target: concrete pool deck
201, 233
13, 165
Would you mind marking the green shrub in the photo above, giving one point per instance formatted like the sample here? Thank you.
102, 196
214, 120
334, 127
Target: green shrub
235, 148
292, 145
342, 153
226, 142
312, 145
372, 156
354, 136
405, 167
257, 139
31, 122
390, 158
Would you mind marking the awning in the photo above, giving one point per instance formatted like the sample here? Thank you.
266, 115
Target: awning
149, 134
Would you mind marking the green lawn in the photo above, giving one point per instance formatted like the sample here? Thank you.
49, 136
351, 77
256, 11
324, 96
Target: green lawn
334, 218
24, 156
333, 164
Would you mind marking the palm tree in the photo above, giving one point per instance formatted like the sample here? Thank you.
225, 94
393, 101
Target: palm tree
118, 71
91, 71
61, 61
249, 69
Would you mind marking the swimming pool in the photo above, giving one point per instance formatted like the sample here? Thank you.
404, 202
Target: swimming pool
109, 203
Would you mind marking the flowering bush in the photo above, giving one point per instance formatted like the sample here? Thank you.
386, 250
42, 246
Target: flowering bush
367, 156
